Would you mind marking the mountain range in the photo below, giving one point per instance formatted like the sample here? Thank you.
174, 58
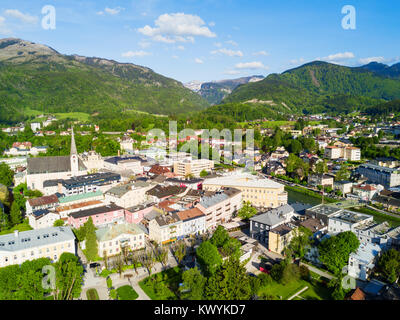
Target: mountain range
37, 77
215, 91
323, 87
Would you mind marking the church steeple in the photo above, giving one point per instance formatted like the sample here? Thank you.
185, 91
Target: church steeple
74, 155
73, 144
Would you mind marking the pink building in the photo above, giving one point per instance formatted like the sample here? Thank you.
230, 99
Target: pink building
136, 214
101, 216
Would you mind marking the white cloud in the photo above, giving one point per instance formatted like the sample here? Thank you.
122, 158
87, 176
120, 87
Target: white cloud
338, 56
261, 53
297, 61
113, 11
232, 72
218, 44
251, 65
24, 17
199, 61
144, 44
100, 13
177, 27
375, 59
212, 24
181, 48
228, 52
232, 43
139, 54
175, 57
3, 28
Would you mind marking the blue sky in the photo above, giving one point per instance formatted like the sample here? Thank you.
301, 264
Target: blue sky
212, 39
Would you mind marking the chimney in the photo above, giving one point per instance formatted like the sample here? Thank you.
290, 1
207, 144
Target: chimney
16, 233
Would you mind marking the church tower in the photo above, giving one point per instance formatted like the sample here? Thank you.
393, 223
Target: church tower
74, 156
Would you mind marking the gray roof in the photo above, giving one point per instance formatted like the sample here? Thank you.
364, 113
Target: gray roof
51, 165
208, 202
35, 238
274, 216
109, 233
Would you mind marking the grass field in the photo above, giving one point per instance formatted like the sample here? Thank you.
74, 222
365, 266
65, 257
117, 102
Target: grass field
315, 291
80, 116
163, 285
127, 293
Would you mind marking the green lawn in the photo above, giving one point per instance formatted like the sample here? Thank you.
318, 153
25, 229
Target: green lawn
315, 291
163, 285
92, 294
127, 293
80, 116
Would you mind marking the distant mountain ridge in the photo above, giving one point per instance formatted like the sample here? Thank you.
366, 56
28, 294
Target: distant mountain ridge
35, 76
215, 91
320, 86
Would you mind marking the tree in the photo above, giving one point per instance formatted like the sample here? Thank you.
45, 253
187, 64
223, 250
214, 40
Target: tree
321, 167
15, 214
208, 257
180, 251
389, 265
162, 256
148, 261
91, 250
229, 282
193, 285
59, 223
6, 175
219, 237
300, 241
4, 220
335, 251
232, 248
247, 211
203, 174
69, 276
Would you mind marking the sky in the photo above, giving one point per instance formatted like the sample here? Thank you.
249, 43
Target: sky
208, 40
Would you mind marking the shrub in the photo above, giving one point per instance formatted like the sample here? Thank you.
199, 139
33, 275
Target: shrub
92, 294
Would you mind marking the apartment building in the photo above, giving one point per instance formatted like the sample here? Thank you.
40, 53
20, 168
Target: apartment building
342, 152
89, 183
128, 195
187, 167
279, 237
220, 207
318, 179
165, 228
101, 216
193, 222
112, 240
262, 224
262, 193
386, 176
43, 219
346, 220
18, 247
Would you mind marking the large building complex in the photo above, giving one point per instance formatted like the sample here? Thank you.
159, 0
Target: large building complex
262, 193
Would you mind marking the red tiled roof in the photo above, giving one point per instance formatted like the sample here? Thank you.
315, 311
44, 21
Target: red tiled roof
43, 200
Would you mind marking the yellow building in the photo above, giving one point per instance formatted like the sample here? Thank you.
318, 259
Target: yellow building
262, 193
279, 238
184, 168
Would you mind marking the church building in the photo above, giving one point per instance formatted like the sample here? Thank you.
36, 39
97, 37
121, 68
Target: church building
43, 169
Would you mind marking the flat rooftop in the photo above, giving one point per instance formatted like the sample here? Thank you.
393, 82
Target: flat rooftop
350, 216
324, 209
